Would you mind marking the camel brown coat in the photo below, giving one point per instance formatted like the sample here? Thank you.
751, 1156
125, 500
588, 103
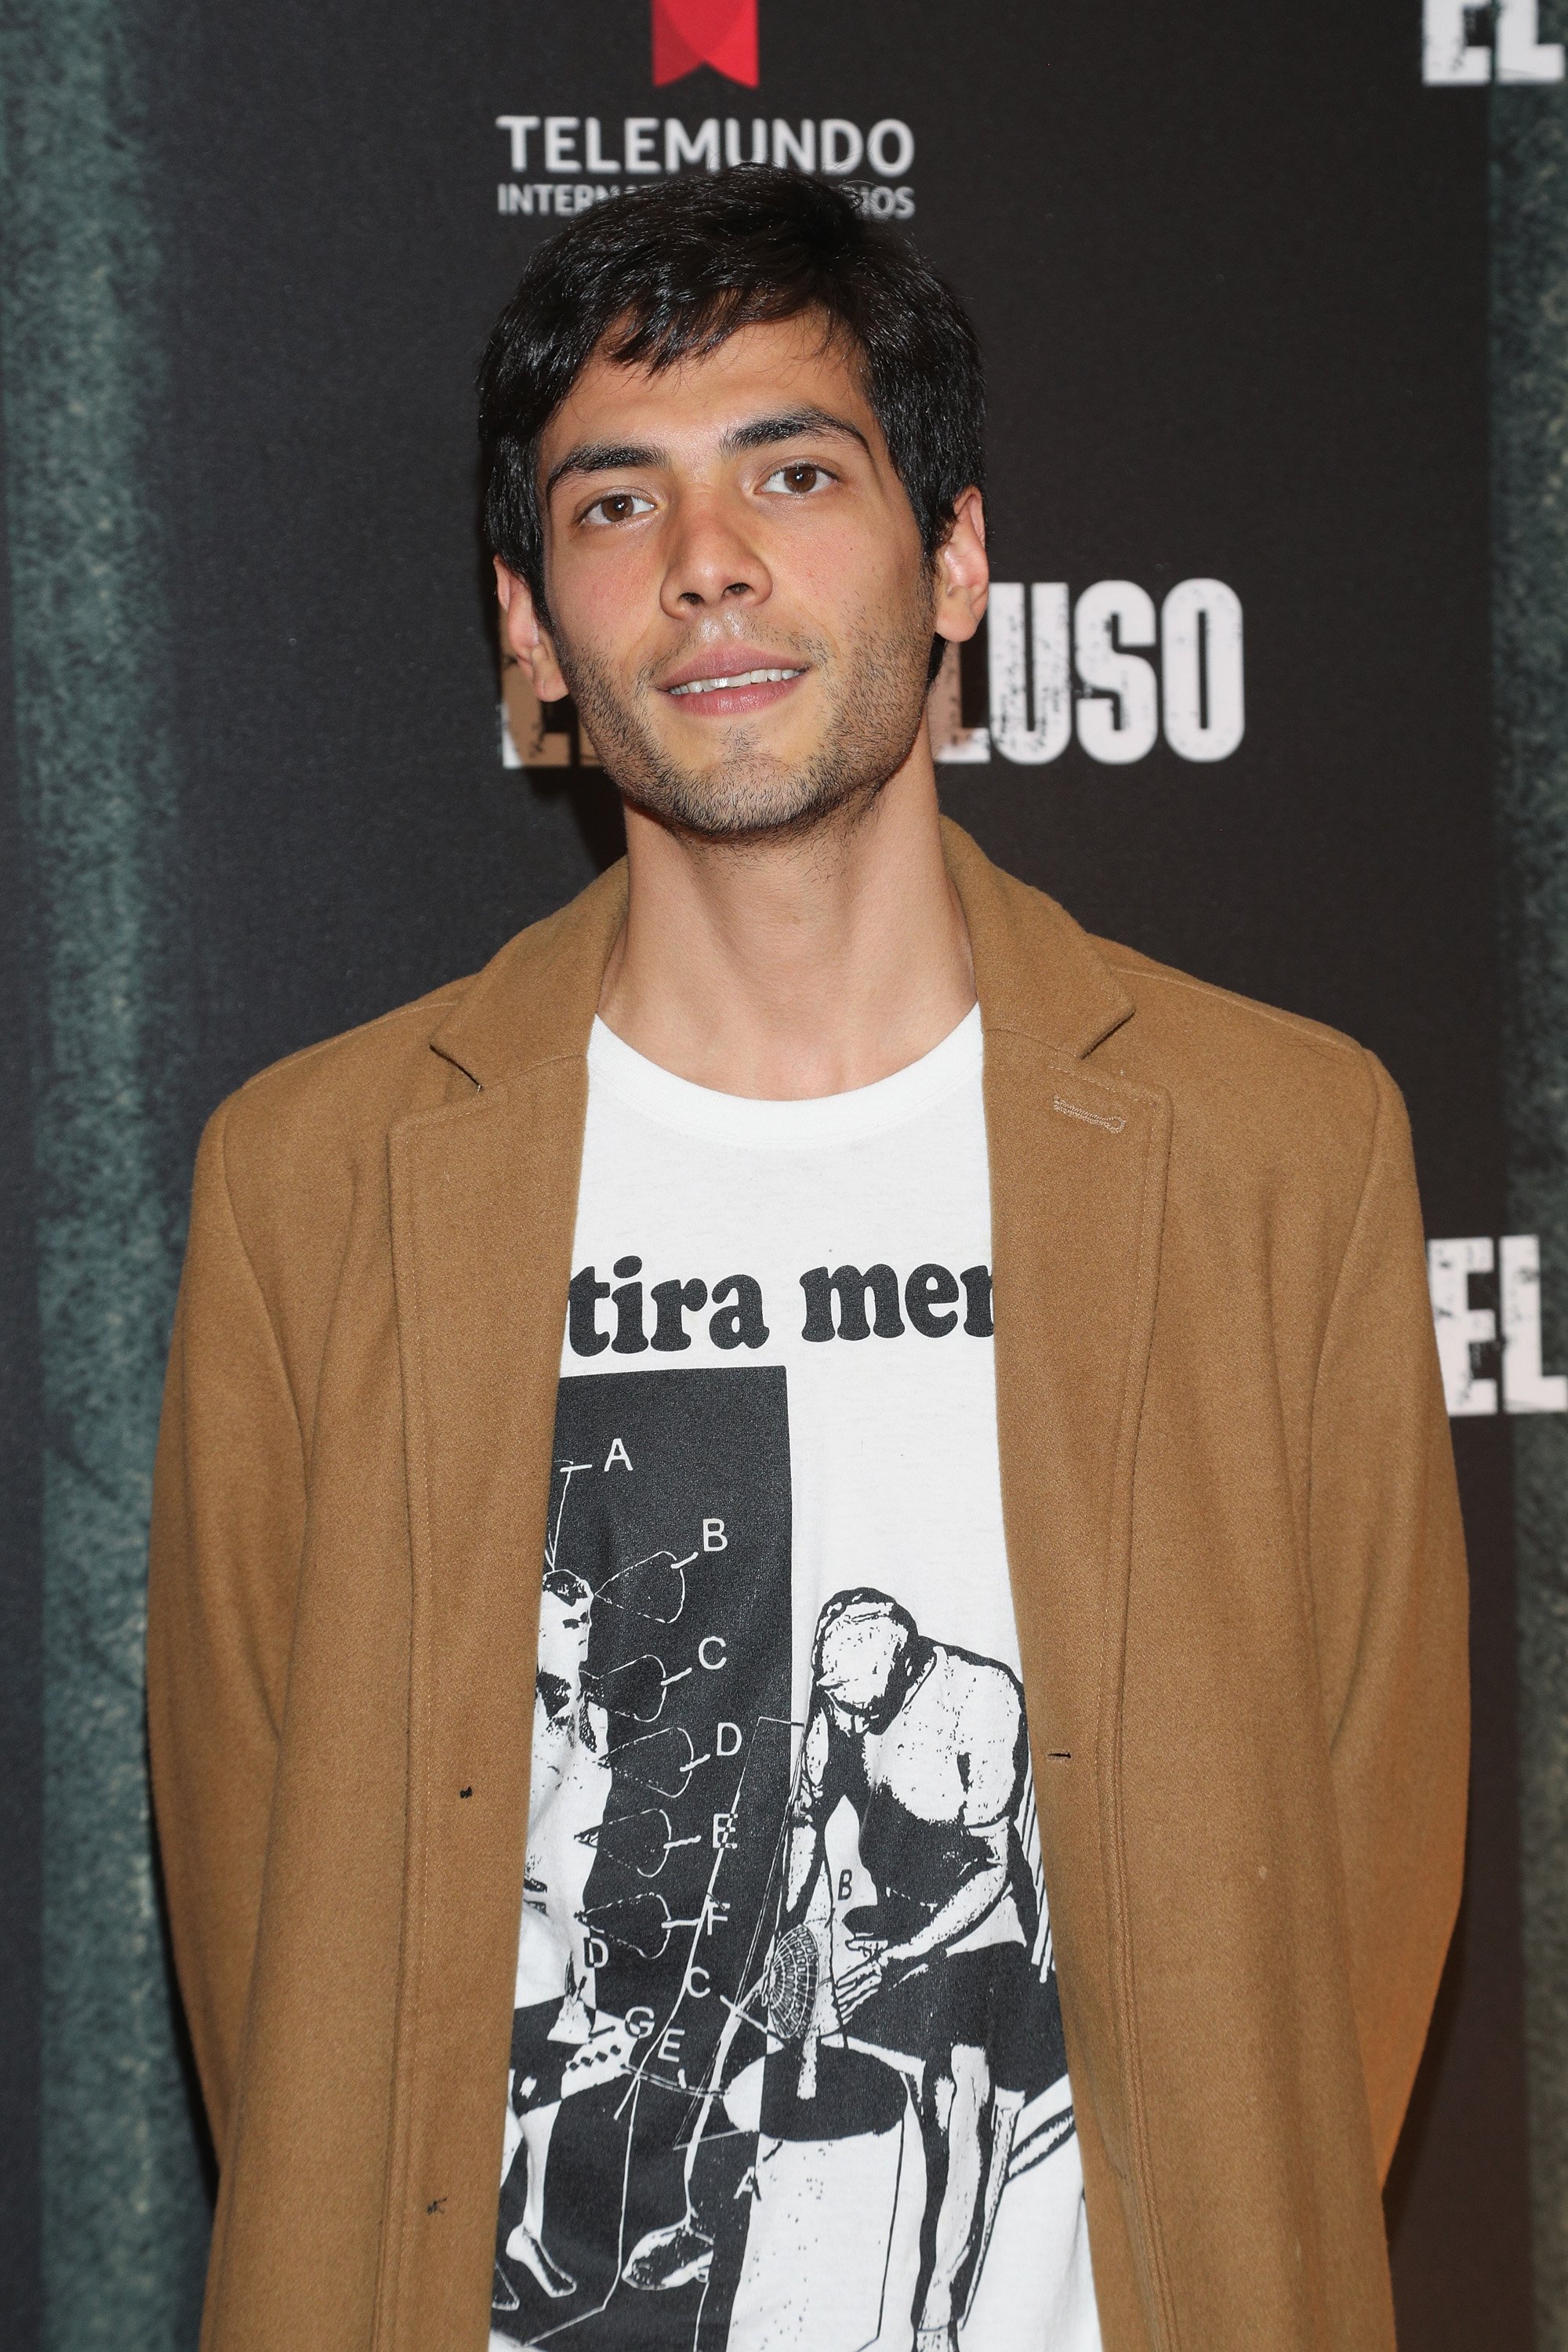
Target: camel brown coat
1237, 1563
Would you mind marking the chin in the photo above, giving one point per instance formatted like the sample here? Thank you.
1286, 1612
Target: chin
751, 808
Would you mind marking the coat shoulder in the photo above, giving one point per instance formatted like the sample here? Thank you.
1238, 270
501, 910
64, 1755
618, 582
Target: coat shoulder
323, 1099
1211, 1051
1283, 1081
533, 1001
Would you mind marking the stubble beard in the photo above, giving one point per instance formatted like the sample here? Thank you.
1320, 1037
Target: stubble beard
749, 794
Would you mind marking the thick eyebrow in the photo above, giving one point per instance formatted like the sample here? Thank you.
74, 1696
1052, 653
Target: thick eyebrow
759, 433
603, 457
790, 424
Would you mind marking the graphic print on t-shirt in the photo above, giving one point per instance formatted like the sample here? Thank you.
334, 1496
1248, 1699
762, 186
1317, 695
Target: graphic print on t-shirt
662, 1761
787, 2070
787, 2024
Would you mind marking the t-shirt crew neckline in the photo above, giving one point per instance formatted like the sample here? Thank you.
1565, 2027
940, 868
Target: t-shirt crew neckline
759, 1124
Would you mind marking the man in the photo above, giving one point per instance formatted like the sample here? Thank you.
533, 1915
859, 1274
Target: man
838, 1224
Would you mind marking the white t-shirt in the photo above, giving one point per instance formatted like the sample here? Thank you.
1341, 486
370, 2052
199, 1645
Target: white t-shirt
787, 2068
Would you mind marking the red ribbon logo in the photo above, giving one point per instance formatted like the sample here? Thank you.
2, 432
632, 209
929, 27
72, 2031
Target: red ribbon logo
691, 33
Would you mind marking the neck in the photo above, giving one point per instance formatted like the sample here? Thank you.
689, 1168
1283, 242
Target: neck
798, 967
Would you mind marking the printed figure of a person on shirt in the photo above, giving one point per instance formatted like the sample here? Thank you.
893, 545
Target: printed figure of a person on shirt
928, 1744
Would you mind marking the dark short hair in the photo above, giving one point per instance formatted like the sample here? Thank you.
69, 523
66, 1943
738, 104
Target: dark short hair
672, 270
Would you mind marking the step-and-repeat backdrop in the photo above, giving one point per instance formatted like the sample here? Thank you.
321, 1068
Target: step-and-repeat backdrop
1273, 687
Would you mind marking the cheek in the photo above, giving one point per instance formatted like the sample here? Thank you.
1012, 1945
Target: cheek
604, 600
870, 577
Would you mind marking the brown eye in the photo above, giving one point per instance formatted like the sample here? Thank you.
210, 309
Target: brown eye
619, 506
799, 478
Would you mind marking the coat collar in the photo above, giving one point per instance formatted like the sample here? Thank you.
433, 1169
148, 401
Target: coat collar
1036, 974
534, 1003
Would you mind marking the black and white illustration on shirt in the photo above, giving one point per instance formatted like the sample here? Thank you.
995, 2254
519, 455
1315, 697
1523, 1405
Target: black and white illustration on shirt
787, 2026
661, 1763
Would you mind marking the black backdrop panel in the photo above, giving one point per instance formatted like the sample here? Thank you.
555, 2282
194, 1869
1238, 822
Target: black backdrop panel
1232, 286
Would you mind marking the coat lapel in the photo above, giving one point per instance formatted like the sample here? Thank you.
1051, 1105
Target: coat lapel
484, 1198
1078, 1166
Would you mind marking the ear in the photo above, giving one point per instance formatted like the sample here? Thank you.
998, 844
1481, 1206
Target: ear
526, 638
962, 574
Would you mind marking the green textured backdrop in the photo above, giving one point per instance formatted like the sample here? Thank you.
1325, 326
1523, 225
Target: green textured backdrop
81, 310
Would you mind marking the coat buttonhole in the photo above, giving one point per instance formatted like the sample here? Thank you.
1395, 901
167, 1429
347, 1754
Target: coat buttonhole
1113, 1122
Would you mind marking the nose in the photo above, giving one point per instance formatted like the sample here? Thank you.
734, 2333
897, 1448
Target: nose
713, 560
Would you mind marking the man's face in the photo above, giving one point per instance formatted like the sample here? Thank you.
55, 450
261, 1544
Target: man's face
739, 599
861, 1656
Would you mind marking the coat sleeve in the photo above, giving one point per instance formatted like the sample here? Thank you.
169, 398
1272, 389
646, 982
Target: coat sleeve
1390, 1591
227, 1518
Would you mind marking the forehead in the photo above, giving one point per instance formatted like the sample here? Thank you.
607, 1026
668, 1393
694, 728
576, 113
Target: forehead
790, 364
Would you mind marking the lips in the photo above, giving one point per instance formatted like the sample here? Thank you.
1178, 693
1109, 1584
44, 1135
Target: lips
731, 681
739, 677
732, 660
